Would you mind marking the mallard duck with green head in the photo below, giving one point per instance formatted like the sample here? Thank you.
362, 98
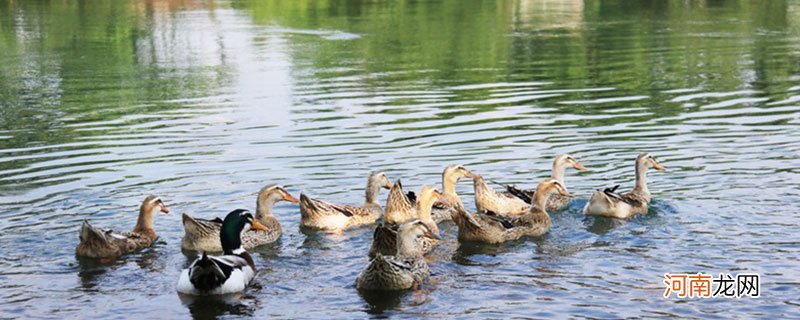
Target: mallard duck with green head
203, 235
230, 272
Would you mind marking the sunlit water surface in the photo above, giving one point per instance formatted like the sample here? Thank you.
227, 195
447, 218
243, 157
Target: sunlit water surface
203, 103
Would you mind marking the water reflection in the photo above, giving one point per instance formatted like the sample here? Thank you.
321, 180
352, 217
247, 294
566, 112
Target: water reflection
212, 307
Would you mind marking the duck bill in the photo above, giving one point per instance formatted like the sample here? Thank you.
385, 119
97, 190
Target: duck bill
387, 186
578, 166
659, 167
471, 175
432, 235
258, 226
164, 208
290, 198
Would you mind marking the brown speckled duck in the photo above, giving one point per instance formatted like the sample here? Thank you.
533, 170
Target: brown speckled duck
406, 269
516, 201
608, 203
203, 235
321, 215
443, 211
488, 228
399, 210
106, 244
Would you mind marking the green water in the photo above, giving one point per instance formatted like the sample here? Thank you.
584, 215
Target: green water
203, 103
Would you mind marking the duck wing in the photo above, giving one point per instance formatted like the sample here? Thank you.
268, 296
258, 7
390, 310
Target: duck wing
524, 195
200, 227
612, 193
497, 218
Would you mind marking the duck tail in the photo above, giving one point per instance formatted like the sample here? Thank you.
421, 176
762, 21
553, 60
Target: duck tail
306, 203
91, 234
192, 226
205, 274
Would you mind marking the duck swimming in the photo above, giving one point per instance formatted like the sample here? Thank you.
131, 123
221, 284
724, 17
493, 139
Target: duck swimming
384, 240
608, 203
230, 272
443, 211
488, 228
516, 201
406, 269
99, 243
321, 215
203, 235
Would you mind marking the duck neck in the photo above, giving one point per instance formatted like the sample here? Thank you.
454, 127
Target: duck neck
231, 241
540, 198
539, 203
264, 208
449, 191
424, 214
372, 192
641, 179
558, 172
144, 225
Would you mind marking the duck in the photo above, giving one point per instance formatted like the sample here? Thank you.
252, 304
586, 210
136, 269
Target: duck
384, 240
609, 203
490, 228
107, 244
443, 211
203, 235
515, 201
230, 272
331, 217
406, 269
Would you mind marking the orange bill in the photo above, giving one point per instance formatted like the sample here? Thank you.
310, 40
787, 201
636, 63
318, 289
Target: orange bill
258, 226
290, 198
659, 167
387, 185
163, 207
578, 166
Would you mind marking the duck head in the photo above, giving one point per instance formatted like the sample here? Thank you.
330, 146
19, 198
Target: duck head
648, 161
236, 223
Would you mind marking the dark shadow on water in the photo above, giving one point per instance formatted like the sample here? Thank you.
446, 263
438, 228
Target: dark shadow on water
212, 307
91, 270
467, 251
601, 225
380, 301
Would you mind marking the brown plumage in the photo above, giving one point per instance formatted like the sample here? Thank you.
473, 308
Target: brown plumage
384, 238
491, 228
405, 269
99, 243
321, 215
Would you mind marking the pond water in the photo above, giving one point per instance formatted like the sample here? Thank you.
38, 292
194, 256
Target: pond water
204, 102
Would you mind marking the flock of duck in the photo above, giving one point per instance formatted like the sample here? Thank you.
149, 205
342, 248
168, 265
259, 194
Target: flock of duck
408, 227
